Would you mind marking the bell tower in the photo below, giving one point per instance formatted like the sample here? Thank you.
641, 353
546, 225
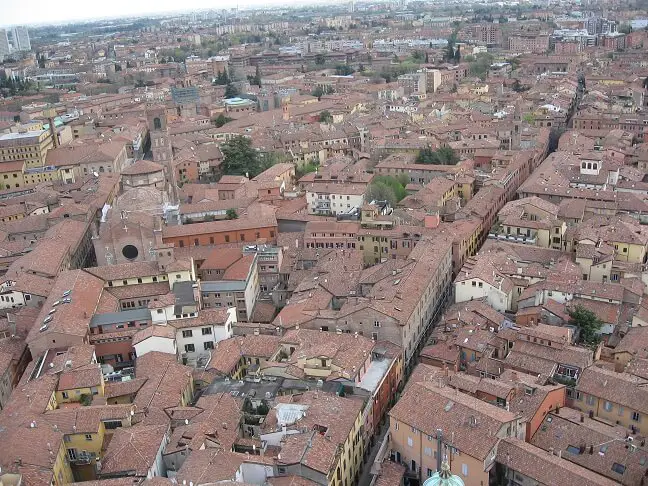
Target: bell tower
158, 128
157, 120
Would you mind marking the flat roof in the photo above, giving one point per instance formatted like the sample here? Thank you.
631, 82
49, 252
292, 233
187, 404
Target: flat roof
119, 317
18, 136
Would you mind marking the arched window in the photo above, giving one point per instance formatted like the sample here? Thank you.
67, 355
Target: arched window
589, 165
157, 123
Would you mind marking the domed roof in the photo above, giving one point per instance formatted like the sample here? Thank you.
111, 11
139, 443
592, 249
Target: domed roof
444, 477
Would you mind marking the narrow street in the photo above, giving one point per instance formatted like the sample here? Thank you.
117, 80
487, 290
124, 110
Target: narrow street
366, 477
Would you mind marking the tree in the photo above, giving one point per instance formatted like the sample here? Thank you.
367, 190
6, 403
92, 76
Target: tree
320, 59
231, 214
320, 91
302, 170
442, 156
587, 322
481, 65
231, 91
257, 77
344, 70
222, 120
222, 79
387, 188
325, 117
240, 158
418, 56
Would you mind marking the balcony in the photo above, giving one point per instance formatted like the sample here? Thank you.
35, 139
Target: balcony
496, 233
322, 205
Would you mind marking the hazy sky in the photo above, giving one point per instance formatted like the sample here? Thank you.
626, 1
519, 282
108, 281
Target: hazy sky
15, 12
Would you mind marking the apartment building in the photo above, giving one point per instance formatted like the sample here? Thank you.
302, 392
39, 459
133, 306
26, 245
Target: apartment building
30, 147
536, 43
467, 431
230, 279
259, 225
399, 300
332, 199
613, 397
530, 221
331, 234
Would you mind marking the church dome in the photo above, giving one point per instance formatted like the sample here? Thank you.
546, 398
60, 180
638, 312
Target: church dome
444, 478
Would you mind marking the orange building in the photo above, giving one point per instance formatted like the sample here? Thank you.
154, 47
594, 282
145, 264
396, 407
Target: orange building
259, 224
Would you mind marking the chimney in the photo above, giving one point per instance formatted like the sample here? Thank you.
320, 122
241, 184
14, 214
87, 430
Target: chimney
432, 220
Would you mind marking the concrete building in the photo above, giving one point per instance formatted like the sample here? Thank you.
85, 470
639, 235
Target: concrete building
21, 40
4, 44
30, 147
230, 279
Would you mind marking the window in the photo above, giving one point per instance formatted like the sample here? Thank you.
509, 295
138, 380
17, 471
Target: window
187, 334
590, 400
430, 472
635, 416
427, 451
65, 395
410, 442
208, 345
374, 336
206, 331
464, 470
608, 406
395, 425
88, 436
376, 323
226, 238
190, 348
618, 468
573, 450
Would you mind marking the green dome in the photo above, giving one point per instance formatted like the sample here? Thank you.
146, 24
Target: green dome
444, 478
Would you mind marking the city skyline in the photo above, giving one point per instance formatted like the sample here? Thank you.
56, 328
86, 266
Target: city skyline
42, 12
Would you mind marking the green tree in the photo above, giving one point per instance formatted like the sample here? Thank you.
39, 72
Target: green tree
587, 322
231, 91
257, 77
231, 214
222, 79
441, 156
302, 170
325, 117
480, 66
320, 91
344, 70
221, 120
387, 188
320, 59
240, 158
418, 56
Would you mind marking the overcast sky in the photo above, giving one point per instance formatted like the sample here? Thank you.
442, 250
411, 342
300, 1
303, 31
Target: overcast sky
15, 12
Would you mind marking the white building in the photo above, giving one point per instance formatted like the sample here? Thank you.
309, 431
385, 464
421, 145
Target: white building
196, 337
4, 44
496, 289
21, 40
332, 199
